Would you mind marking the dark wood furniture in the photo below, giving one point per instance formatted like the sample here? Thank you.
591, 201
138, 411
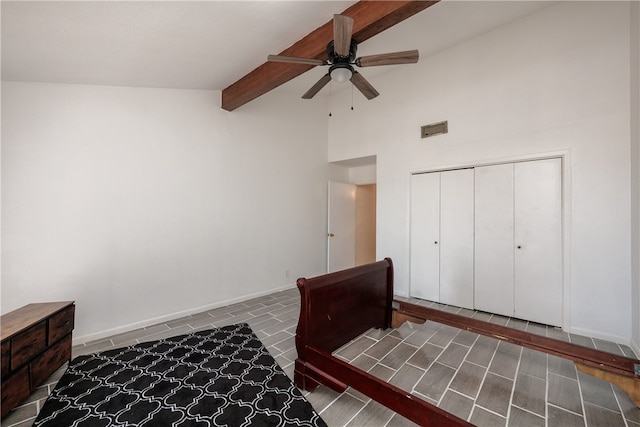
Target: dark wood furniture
338, 307
36, 341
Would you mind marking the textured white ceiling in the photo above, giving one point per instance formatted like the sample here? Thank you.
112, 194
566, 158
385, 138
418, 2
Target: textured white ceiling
204, 44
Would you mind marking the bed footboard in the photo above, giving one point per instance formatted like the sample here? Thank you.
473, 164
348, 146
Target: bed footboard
337, 307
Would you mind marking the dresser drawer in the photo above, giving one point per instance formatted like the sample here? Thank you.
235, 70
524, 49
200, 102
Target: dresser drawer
49, 361
60, 324
27, 344
5, 357
15, 389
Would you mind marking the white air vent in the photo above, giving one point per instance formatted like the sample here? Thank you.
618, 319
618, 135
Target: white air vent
434, 129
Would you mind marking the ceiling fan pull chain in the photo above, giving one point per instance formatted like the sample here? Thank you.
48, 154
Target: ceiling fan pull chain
351, 96
329, 99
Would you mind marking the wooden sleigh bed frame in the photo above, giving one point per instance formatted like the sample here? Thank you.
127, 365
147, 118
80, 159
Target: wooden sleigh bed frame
338, 307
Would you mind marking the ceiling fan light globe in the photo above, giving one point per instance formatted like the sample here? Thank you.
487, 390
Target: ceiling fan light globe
341, 75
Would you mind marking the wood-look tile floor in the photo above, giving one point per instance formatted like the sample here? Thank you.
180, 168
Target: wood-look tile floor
480, 379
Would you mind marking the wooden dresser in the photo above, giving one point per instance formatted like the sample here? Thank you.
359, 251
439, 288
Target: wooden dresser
36, 341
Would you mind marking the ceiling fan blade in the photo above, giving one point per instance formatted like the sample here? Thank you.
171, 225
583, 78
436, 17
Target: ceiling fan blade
363, 85
295, 60
342, 29
406, 57
316, 87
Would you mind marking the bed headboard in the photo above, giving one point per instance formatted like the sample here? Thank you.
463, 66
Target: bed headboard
337, 307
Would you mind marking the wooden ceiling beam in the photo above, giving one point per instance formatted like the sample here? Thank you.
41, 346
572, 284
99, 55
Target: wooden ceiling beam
371, 18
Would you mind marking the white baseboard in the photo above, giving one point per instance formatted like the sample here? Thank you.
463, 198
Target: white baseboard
173, 316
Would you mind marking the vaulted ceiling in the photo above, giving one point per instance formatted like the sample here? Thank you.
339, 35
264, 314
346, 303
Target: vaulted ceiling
371, 18
211, 45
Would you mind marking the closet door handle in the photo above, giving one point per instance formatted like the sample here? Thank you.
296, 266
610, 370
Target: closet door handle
435, 243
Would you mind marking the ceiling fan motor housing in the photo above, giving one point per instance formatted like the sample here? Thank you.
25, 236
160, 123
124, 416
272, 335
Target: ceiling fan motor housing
337, 59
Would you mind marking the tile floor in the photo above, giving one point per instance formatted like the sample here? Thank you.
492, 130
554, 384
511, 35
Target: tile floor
482, 380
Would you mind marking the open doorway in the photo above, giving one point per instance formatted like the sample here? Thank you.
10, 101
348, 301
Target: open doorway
351, 225
365, 224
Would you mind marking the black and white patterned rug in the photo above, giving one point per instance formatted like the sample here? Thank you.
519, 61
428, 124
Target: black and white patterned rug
217, 377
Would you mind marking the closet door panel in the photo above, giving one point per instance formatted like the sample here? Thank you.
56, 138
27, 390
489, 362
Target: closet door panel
425, 236
538, 240
494, 234
456, 237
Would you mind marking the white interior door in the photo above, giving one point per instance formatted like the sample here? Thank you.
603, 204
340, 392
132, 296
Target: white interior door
494, 234
538, 240
341, 227
425, 236
456, 237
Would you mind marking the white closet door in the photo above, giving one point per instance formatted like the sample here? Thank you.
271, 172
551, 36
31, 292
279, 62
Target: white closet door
425, 236
538, 240
494, 234
456, 237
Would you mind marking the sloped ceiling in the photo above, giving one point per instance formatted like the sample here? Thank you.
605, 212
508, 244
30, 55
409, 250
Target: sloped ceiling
168, 44
205, 44
370, 18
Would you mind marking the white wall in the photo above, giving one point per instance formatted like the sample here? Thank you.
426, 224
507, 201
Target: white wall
554, 81
635, 168
145, 204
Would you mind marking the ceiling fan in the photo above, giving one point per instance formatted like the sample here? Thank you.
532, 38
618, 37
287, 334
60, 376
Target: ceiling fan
341, 52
